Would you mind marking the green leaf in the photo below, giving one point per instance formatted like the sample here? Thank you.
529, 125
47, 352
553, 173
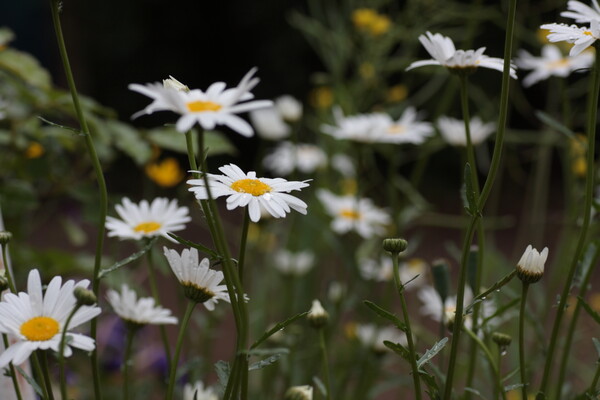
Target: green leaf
552, 123
279, 326
26, 67
589, 309
469, 202
385, 314
513, 387
264, 352
68, 128
319, 384
429, 354
266, 362
31, 381
127, 260
129, 140
223, 371
213, 254
596, 345
589, 260
398, 349
169, 138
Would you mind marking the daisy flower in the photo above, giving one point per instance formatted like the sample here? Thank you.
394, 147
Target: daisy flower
453, 130
197, 391
350, 213
581, 37
200, 282
530, 267
269, 123
580, 12
36, 319
248, 190
288, 157
289, 108
365, 128
140, 311
373, 336
442, 49
382, 270
296, 264
551, 63
215, 106
147, 219
407, 129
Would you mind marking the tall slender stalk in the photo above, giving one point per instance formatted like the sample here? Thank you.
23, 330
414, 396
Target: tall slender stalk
325, 362
488, 354
46, 373
592, 111
7, 272
131, 329
13, 372
243, 241
103, 203
180, 336
592, 391
61, 353
522, 341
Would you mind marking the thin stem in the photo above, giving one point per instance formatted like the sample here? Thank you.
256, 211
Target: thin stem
243, 241
131, 329
9, 278
46, 374
587, 209
61, 353
592, 390
40, 375
155, 294
13, 372
490, 358
464, 97
180, 337
325, 363
522, 341
409, 338
103, 206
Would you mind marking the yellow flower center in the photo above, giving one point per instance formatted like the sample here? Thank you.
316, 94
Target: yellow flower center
350, 214
39, 329
588, 33
202, 106
563, 62
396, 129
251, 186
147, 227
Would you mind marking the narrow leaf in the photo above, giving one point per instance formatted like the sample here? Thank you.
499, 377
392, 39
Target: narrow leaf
471, 204
266, 352
31, 381
223, 371
596, 345
213, 255
68, 128
429, 354
385, 314
279, 326
513, 387
398, 349
589, 309
127, 260
319, 384
552, 123
265, 363
493, 288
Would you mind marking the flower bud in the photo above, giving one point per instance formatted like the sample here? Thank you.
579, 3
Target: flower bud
530, 267
5, 237
299, 393
84, 296
395, 245
318, 316
501, 339
173, 83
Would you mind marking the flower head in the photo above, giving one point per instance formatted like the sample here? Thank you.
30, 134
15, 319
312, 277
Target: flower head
364, 128
453, 130
317, 316
373, 336
551, 63
288, 157
350, 213
289, 108
247, 190
147, 219
37, 319
442, 49
269, 123
198, 392
136, 311
215, 106
580, 12
199, 281
408, 129
304, 392
530, 267
296, 264
581, 37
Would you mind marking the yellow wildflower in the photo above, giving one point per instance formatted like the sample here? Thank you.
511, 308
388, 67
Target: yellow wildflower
166, 173
369, 20
321, 97
380, 25
34, 150
366, 70
396, 93
578, 146
594, 302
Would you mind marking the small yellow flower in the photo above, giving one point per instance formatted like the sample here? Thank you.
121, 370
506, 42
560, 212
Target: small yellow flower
366, 71
34, 150
349, 186
166, 173
594, 302
578, 146
369, 20
350, 330
321, 97
380, 25
396, 94
516, 395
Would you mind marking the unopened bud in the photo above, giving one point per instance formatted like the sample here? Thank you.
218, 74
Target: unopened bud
501, 339
530, 267
395, 245
5, 237
318, 316
173, 83
299, 393
84, 296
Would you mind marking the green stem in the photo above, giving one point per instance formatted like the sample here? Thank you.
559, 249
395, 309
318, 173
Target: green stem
243, 241
46, 374
592, 390
13, 372
180, 337
9, 278
103, 206
155, 294
492, 362
61, 353
325, 362
40, 375
587, 208
464, 97
522, 341
131, 329
409, 338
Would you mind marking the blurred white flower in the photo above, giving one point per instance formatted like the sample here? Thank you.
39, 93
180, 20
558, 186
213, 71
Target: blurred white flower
453, 130
551, 63
366, 128
147, 219
343, 164
581, 37
247, 190
287, 157
289, 108
197, 391
382, 270
140, 311
350, 213
296, 264
269, 124
407, 129
442, 49
580, 12
372, 336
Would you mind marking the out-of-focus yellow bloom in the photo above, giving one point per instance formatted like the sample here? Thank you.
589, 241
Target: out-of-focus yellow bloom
34, 150
366, 70
396, 93
321, 97
166, 173
594, 302
350, 330
542, 36
369, 20
578, 149
516, 395
349, 186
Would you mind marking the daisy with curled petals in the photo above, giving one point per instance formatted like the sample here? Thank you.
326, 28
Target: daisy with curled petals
580, 12
215, 106
136, 311
551, 63
350, 213
147, 219
247, 190
36, 319
581, 37
200, 282
453, 130
442, 49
